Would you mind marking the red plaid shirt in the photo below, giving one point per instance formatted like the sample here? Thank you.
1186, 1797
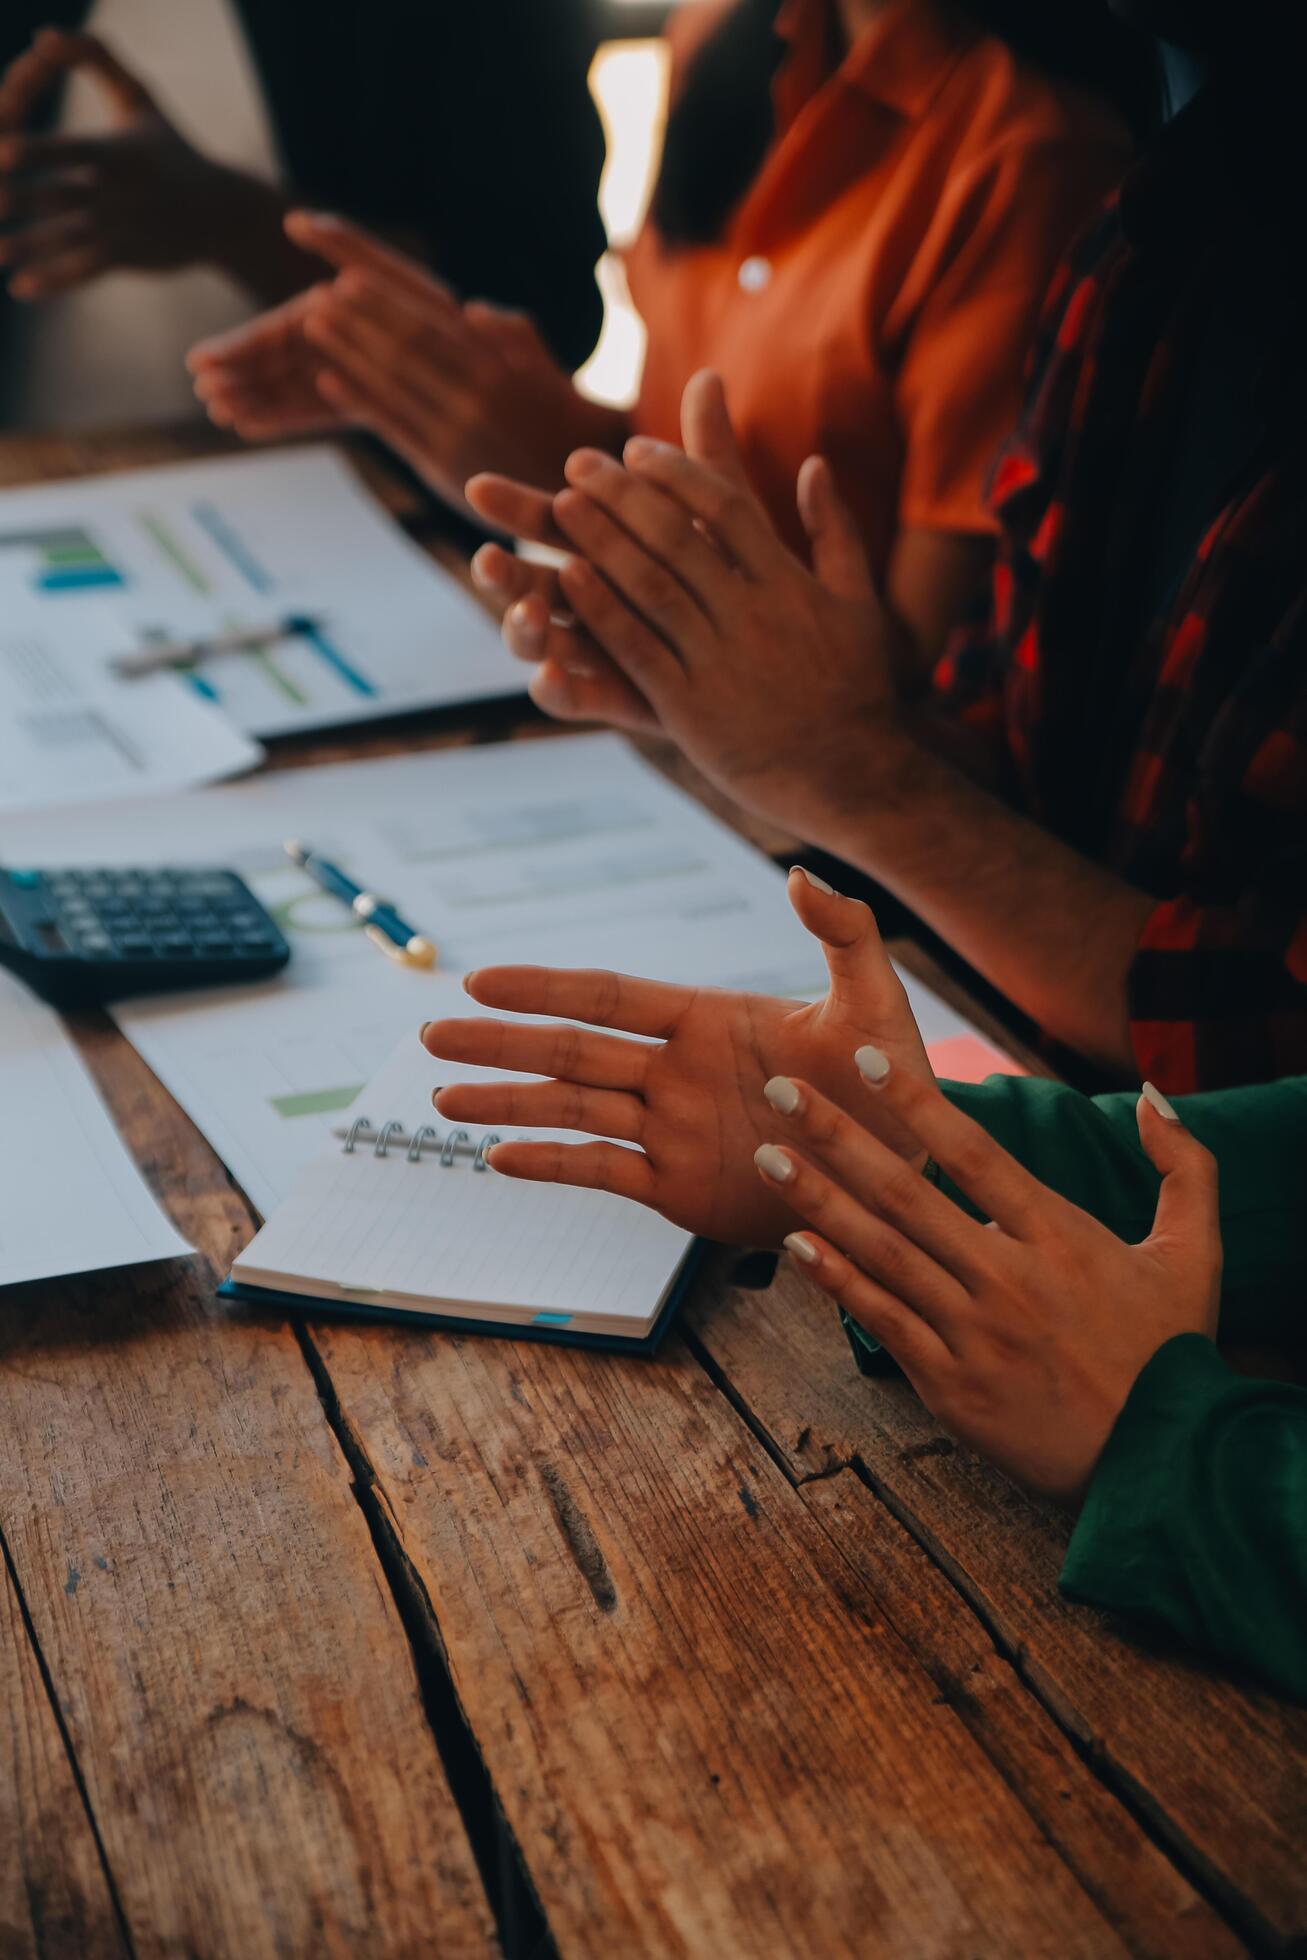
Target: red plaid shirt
1166, 739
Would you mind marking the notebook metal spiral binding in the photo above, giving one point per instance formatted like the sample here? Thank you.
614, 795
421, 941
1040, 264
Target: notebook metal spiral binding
426, 1141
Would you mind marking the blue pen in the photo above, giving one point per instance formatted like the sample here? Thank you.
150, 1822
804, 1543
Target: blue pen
382, 922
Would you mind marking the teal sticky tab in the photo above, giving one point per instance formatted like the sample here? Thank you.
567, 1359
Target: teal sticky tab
551, 1320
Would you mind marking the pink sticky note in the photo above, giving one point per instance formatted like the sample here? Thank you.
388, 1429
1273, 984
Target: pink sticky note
970, 1058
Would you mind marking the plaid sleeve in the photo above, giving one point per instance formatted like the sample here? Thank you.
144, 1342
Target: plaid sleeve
1218, 988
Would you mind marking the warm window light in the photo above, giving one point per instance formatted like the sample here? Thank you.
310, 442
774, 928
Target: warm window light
629, 82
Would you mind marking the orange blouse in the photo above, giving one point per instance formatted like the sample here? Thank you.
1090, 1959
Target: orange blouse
876, 290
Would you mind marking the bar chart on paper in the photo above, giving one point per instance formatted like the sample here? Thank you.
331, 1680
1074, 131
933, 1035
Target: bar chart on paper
360, 621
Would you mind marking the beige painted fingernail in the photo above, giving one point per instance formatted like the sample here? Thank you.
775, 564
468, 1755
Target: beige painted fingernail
873, 1066
422, 1031
773, 1163
818, 884
1153, 1095
782, 1094
802, 1248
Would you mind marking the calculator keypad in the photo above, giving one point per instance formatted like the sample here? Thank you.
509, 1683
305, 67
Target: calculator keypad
158, 915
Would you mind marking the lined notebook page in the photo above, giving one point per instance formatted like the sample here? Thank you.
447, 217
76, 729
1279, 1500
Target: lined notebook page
359, 1224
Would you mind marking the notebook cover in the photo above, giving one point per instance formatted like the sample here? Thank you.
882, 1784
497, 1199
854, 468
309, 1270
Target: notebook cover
310, 1308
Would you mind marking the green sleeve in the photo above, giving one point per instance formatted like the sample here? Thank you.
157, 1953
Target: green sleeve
1196, 1518
1088, 1150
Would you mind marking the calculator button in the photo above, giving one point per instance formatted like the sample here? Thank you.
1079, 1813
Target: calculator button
176, 945
98, 943
132, 945
213, 944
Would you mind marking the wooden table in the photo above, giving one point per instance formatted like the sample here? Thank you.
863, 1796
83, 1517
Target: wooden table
325, 1639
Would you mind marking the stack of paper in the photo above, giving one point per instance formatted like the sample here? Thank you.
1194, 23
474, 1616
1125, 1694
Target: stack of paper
71, 1199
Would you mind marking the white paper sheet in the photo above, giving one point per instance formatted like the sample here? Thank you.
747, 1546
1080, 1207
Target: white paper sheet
71, 1199
570, 852
106, 563
71, 735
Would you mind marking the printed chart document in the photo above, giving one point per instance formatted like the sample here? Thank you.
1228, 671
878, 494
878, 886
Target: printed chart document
419, 1226
567, 852
71, 1199
105, 564
69, 734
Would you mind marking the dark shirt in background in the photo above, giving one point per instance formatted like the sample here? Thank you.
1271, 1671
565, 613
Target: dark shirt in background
463, 126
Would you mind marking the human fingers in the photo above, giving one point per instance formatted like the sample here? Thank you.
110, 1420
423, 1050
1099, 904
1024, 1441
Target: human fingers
50, 238
651, 1008
61, 273
22, 199
912, 1342
878, 1179
855, 954
344, 244
269, 342
707, 431
567, 1054
53, 54
515, 508
396, 417
544, 1106
589, 1166
256, 414
595, 692
659, 524
839, 557
642, 655
507, 578
632, 575
725, 506
61, 52
1188, 1216
1003, 1189
884, 1253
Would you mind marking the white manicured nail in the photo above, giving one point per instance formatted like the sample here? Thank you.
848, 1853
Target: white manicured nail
1160, 1104
818, 884
873, 1066
773, 1163
782, 1094
802, 1248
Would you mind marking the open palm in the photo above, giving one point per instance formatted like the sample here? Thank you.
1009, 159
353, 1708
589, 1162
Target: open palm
689, 1094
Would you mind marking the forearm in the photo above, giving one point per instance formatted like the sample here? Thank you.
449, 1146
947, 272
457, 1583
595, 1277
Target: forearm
1054, 932
1196, 1517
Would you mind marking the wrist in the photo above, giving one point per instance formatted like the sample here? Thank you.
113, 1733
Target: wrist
241, 224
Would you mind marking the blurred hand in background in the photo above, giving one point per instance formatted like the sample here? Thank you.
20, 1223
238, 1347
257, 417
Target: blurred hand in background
384, 345
136, 197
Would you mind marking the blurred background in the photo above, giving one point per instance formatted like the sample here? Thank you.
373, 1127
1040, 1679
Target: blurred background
112, 351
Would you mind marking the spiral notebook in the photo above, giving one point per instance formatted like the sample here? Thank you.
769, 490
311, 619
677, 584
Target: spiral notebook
400, 1217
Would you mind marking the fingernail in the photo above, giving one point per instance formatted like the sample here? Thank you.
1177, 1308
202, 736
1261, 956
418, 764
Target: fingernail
435, 1094
641, 448
521, 617
818, 884
802, 1248
468, 978
1153, 1095
422, 1031
582, 463
782, 1094
873, 1066
773, 1163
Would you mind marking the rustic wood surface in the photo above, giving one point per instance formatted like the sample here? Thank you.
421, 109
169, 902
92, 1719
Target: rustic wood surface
331, 1639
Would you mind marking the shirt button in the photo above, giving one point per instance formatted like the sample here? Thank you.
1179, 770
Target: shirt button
754, 275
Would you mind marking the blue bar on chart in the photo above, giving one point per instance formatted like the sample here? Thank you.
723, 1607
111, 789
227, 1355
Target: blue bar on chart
233, 547
66, 559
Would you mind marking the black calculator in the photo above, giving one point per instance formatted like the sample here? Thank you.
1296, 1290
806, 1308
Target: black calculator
96, 934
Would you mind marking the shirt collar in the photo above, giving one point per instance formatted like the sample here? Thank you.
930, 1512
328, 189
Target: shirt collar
900, 61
